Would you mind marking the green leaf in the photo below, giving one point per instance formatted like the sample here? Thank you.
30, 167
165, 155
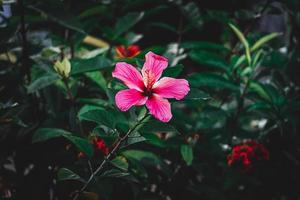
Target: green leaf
143, 156
44, 134
209, 59
197, 95
65, 174
199, 80
203, 45
211, 118
120, 162
164, 26
187, 153
42, 82
242, 38
134, 137
98, 115
192, 13
82, 144
87, 65
95, 10
260, 90
264, 40
114, 173
59, 16
173, 71
126, 22
97, 78
239, 61
156, 126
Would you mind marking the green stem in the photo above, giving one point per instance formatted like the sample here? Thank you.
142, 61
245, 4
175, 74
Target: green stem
69, 91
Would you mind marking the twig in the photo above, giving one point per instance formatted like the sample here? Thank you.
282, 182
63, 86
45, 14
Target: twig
25, 65
108, 157
69, 91
179, 33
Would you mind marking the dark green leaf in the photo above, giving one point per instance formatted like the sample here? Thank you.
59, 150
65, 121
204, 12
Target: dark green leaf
209, 59
91, 64
114, 173
120, 162
200, 80
44, 134
98, 115
134, 138
187, 153
197, 95
192, 13
126, 22
59, 16
82, 144
156, 126
143, 156
164, 26
65, 174
203, 45
42, 82
173, 71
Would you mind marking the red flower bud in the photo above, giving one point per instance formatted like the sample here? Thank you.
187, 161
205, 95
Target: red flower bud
127, 52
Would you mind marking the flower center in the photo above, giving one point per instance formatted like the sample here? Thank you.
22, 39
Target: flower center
147, 92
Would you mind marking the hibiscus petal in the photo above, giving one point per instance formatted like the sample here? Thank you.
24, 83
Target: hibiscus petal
171, 88
125, 99
153, 68
160, 108
129, 75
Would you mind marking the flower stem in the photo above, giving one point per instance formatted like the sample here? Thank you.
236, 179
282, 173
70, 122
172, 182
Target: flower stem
109, 156
69, 92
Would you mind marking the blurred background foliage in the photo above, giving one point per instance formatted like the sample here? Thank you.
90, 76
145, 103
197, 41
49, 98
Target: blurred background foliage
235, 136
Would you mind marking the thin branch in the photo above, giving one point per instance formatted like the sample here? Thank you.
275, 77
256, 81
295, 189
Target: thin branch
109, 156
25, 65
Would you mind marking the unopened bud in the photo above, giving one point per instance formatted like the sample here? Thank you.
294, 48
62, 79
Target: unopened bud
63, 68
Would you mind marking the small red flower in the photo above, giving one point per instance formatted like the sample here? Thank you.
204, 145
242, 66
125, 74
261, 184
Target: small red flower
246, 153
100, 145
127, 52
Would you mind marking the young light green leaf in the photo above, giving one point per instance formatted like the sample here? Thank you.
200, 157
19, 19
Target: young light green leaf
264, 40
260, 90
242, 38
257, 57
239, 61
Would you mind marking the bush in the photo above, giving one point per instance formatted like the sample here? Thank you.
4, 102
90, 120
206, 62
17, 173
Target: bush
143, 100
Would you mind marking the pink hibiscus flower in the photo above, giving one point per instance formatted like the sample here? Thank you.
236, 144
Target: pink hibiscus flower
147, 88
